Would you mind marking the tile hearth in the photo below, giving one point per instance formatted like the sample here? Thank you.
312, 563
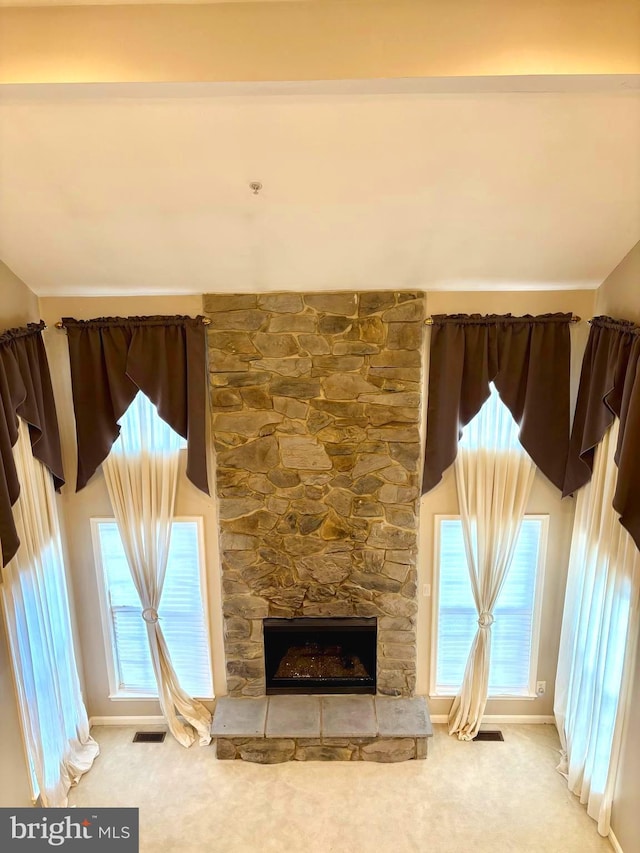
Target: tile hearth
273, 729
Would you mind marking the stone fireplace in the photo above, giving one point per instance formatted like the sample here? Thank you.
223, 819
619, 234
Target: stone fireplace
320, 655
316, 413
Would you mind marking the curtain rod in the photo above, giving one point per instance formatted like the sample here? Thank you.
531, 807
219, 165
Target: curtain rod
60, 325
428, 322
574, 319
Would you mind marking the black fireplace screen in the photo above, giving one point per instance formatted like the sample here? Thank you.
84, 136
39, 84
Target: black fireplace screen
320, 655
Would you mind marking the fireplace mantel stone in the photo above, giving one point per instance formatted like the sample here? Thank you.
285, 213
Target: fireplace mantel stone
316, 414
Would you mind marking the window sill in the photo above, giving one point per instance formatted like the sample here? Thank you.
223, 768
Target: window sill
497, 697
132, 697
141, 697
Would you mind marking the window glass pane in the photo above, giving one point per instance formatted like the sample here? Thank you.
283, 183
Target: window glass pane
122, 591
511, 634
143, 430
181, 613
458, 619
133, 658
493, 426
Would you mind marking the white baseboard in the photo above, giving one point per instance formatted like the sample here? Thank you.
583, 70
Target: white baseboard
504, 719
614, 842
127, 721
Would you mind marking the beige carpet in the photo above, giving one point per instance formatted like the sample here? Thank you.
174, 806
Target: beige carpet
465, 798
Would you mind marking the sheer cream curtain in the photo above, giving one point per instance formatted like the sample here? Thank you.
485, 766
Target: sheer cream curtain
36, 607
494, 476
141, 473
598, 640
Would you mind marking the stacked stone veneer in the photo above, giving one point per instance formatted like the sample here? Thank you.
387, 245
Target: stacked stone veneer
316, 412
277, 750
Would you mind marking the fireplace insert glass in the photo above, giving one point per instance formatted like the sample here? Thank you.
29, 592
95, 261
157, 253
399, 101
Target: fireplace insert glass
320, 655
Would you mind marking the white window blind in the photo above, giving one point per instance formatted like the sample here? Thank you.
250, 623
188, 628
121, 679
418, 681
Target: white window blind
514, 632
181, 615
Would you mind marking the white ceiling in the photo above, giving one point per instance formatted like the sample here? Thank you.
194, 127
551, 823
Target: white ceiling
121, 190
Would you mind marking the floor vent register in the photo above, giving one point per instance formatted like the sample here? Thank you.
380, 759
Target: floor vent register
149, 737
489, 735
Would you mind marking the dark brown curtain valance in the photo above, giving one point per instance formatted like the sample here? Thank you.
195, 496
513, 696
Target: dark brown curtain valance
528, 360
25, 392
112, 358
610, 388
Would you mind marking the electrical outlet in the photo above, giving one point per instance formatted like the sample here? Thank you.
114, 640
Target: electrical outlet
426, 590
541, 688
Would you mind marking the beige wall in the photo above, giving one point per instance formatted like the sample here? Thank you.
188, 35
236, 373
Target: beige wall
327, 40
93, 501
15, 787
18, 305
619, 296
578, 302
545, 499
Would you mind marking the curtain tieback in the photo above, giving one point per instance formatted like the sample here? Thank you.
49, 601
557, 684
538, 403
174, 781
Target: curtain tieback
485, 620
150, 615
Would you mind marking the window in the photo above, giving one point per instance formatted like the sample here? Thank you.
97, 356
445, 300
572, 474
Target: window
182, 613
514, 634
35, 602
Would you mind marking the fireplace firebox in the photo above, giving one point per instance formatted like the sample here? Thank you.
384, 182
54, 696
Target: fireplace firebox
320, 655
